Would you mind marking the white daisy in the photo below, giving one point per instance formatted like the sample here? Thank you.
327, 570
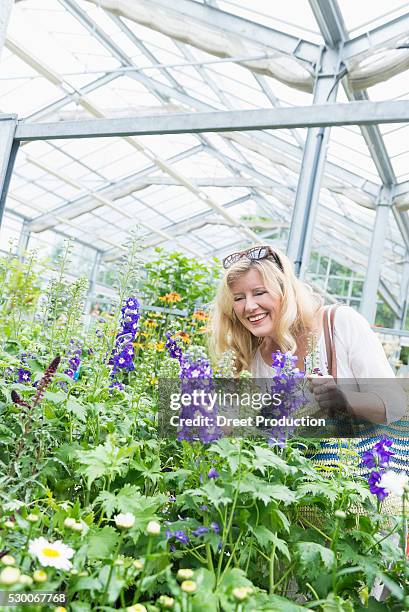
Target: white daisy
52, 554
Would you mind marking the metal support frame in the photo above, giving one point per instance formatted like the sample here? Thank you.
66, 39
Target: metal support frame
309, 182
403, 294
370, 289
23, 239
318, 115
8, 151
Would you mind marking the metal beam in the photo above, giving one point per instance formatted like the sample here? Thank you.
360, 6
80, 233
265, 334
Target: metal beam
378, 37
242, 28
312, 168
371, 284
320, 115
8, 152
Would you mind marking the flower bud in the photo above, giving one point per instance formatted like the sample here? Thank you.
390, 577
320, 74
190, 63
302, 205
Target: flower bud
26, 580
40, 576
340, 514
69, 522
136, 608
166, 602
33, 518
153, 528
124, 521
185, 574
77, 526
10, 575
8, 560
188, 586
241, 593
138, 564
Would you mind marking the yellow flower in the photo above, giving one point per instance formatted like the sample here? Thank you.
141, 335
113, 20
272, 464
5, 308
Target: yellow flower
150, 323
60, 609
160, 346
200, 315
184, 336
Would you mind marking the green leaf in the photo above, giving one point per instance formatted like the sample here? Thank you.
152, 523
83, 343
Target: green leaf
313, 491
313, 557
107, 501
55, 397
77, 409
266, 492
281, 604
215, 494
267, 538
102, 543
265, 458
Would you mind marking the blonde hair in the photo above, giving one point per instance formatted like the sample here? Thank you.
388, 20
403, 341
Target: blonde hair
298, 307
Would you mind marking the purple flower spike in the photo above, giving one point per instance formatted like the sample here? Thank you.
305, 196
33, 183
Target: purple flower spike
213, 473
181, 536
373, 480
215, 527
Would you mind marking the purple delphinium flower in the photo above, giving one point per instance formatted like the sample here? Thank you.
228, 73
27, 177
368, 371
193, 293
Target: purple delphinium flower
213, 473
73, 359
215, 527
173, 348
23, 375
286, 377
123, 352
200, 531
373, 480
181, 536
379, 455
196, 374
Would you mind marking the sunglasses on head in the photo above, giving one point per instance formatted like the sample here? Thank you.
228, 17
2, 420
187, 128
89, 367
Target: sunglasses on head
254, 254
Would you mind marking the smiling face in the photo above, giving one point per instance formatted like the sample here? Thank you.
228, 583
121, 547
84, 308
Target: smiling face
253, 305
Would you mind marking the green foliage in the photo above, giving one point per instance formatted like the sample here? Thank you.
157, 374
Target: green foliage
261, 535
193, 281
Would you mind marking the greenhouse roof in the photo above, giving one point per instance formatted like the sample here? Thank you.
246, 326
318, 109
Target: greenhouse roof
204, 192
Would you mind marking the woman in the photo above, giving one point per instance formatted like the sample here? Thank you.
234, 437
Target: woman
261, 307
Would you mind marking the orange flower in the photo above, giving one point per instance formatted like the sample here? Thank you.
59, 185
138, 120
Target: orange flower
184, 336
200, 315
171, 298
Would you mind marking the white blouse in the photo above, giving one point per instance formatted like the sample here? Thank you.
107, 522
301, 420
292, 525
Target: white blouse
359, 355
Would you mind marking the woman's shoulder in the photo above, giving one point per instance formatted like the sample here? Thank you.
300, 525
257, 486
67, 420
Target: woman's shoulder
347, 318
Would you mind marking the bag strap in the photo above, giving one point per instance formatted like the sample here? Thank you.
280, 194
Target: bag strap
328, 324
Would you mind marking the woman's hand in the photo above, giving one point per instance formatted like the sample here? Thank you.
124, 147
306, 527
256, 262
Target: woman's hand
329, 396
